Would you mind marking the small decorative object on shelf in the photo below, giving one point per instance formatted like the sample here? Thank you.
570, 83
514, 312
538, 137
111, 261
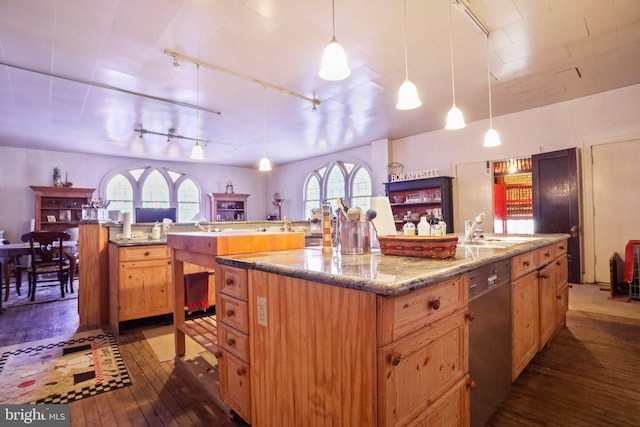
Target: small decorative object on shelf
277, 202
57, 178
229, 187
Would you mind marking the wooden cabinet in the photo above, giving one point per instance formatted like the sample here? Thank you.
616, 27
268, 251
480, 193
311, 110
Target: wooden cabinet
233, 334
228, 206
59, 208
429, 196
140, 284
348, 357
524, 306
539, 301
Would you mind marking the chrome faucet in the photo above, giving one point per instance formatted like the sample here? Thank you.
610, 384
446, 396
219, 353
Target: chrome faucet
470, 234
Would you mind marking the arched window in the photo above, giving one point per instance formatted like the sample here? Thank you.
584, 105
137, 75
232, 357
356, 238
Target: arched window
337, 180
154, 188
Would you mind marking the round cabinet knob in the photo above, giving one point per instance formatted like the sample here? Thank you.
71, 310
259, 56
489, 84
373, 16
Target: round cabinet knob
217, 354
547, 254
230, 313
471, 384
470, 316
526, 263
229, 281
241, 370
394, 359
435, 304
231, 342
558, 297
147, 253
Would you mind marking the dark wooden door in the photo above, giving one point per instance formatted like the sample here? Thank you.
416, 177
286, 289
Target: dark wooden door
556, 203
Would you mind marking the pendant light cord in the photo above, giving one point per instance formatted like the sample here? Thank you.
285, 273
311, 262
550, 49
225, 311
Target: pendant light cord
453, 80
489, 83
197, 103
333, 17
406, 60
264, 122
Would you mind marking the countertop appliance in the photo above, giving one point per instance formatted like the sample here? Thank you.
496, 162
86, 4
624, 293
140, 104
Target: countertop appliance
489, 339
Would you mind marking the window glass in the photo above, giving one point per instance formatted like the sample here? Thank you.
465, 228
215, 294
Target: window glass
361, 190
312, 196
330, 182
174, 175
155, 191
137, 173
188, 201
120, 194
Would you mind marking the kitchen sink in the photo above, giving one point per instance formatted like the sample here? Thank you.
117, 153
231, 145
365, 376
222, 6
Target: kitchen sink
498, 241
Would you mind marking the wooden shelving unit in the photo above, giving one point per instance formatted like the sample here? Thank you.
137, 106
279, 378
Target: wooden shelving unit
228, 206
59, 208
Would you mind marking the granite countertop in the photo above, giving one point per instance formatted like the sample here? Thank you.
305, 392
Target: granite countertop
384, 274
142, 241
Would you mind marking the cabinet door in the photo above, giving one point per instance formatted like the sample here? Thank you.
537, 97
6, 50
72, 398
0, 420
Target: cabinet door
547, 292
144, 289
524, 305
562, 306
413, 372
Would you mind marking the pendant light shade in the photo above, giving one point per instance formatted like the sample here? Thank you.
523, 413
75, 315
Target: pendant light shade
455, 120
408, 98
491, 138
265, 165
334, 60
197, 153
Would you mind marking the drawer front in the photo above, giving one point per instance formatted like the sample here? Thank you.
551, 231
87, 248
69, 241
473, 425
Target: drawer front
233, 281
233, 312
546, 255
561, 247
562, 306
399, 316
235, 386
234, 342
452, 409
416, 370
140, 253
523, 264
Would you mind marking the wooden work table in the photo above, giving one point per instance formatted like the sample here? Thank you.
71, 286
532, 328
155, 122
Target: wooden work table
306, 337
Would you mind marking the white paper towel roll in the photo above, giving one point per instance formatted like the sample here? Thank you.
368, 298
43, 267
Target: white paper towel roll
126, 225
385, 225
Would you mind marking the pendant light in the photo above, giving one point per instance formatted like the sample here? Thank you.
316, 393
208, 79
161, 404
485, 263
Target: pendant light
455, 120
265, 164
197, 153
491, 138
408, 98
334, 60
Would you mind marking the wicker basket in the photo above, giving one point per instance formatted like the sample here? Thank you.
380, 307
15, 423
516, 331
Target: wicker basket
419, 246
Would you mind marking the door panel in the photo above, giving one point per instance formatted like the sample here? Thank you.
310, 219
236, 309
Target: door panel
556, 202
615, 200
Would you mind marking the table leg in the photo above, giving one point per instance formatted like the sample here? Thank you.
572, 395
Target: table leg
6, 267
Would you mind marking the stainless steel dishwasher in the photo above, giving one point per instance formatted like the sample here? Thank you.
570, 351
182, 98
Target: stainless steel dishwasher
489, 339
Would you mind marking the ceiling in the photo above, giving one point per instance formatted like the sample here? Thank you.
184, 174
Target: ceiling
81, 75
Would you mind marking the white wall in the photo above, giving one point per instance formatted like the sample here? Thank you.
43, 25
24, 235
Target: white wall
20, 168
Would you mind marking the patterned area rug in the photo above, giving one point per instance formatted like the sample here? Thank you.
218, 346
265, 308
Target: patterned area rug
62, 369
46, 292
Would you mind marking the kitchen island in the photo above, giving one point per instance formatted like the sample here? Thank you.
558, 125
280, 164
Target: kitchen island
331, 339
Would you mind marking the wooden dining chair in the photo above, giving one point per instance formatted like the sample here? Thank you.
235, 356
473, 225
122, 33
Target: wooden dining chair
47, 258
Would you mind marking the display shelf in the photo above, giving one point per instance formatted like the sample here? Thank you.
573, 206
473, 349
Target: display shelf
228, 206
432, 197
59, 208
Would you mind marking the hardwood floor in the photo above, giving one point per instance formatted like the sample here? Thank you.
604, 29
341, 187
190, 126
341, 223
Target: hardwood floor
589, 375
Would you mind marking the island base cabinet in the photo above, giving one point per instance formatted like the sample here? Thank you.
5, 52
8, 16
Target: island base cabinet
235, 386
451, 410
525, 331
415, 371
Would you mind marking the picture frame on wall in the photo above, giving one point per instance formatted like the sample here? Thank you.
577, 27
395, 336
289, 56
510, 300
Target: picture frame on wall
51, 218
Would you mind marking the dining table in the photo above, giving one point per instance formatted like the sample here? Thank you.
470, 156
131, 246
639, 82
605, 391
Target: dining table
10, 252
